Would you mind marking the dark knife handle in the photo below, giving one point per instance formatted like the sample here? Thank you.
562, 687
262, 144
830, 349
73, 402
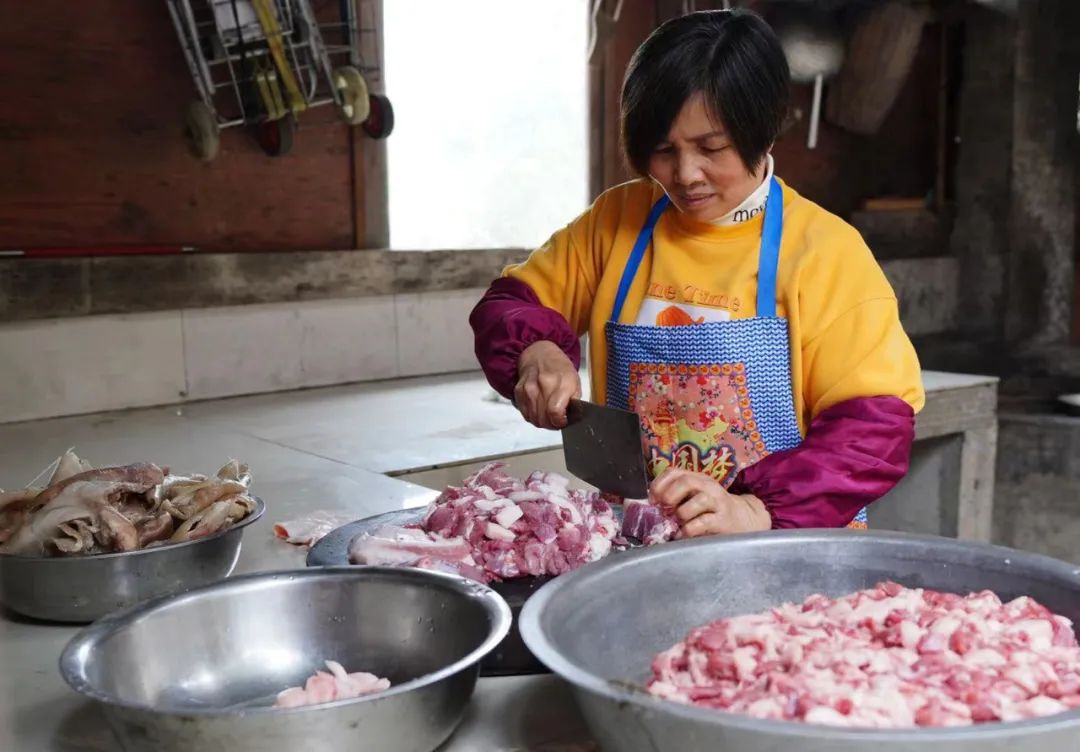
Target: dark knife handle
575, 411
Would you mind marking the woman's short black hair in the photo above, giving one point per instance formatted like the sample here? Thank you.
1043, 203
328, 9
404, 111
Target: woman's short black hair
732, 57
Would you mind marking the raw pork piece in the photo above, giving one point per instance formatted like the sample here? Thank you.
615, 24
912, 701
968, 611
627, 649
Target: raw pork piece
391, 544
648, 522
498, 527
327, 687
311, 528
887, 657
463, 568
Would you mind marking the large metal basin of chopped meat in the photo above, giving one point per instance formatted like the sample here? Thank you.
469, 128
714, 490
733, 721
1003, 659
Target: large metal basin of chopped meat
599, 628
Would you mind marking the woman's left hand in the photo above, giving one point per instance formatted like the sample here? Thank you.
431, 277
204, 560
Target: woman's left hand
704, 507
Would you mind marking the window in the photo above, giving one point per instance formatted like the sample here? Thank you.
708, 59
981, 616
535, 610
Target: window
489, 148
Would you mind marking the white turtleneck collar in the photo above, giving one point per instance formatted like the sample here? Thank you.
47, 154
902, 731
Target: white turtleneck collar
753, 204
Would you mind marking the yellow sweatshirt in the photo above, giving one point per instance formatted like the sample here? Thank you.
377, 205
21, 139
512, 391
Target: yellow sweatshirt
846, 336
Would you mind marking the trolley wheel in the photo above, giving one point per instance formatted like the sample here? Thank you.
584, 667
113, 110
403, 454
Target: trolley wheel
353, 91
201, 129
276, 136
380, 122
301, 33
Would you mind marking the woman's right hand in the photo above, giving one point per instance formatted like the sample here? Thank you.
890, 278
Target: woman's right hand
547, 380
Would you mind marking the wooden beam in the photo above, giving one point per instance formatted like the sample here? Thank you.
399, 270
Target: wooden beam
636, 22
370, 186
596, 130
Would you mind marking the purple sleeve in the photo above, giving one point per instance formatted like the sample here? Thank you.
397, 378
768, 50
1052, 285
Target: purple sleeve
508, 319
854, 452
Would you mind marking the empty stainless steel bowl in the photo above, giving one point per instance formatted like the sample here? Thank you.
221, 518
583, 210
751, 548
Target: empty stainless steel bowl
200, 670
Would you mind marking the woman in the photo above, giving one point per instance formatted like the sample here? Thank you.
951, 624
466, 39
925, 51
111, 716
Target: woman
750, 329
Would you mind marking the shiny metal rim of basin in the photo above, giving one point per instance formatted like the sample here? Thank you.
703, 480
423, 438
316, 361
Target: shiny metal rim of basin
256, 513
73, 656
529, 624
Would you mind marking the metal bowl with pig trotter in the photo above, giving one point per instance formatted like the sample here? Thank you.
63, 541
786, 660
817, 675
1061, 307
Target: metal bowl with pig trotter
599, 628
80, 589
200, 670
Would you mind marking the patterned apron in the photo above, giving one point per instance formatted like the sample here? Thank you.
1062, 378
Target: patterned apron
712, 397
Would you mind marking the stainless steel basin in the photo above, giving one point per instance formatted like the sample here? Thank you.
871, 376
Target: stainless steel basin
80, 589
602, 625
200, 670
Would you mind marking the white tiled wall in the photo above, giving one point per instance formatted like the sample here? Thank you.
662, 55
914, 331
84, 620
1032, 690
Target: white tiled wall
93, 363
256, 348
348, 340
66, 366
433, 332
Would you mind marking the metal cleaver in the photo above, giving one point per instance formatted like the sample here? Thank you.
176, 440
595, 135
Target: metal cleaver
602, 446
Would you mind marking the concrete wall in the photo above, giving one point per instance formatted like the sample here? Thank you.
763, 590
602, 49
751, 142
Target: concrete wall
1016, 174
1016, 178
926, 500
1037, 501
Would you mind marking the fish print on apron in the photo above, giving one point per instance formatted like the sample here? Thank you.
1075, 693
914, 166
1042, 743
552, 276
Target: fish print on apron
713, 397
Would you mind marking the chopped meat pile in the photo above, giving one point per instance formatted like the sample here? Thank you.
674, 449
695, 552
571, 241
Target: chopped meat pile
648, 523
311, 528
499, 527
86, 511
887, 657
327, 687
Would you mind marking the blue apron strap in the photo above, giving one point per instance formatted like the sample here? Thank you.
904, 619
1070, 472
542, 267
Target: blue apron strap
769, 255
632, 263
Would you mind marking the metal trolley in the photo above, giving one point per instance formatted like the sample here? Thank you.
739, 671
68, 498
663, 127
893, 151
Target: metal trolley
262, 63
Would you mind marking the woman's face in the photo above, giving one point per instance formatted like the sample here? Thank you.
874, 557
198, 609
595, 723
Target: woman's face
699, 168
